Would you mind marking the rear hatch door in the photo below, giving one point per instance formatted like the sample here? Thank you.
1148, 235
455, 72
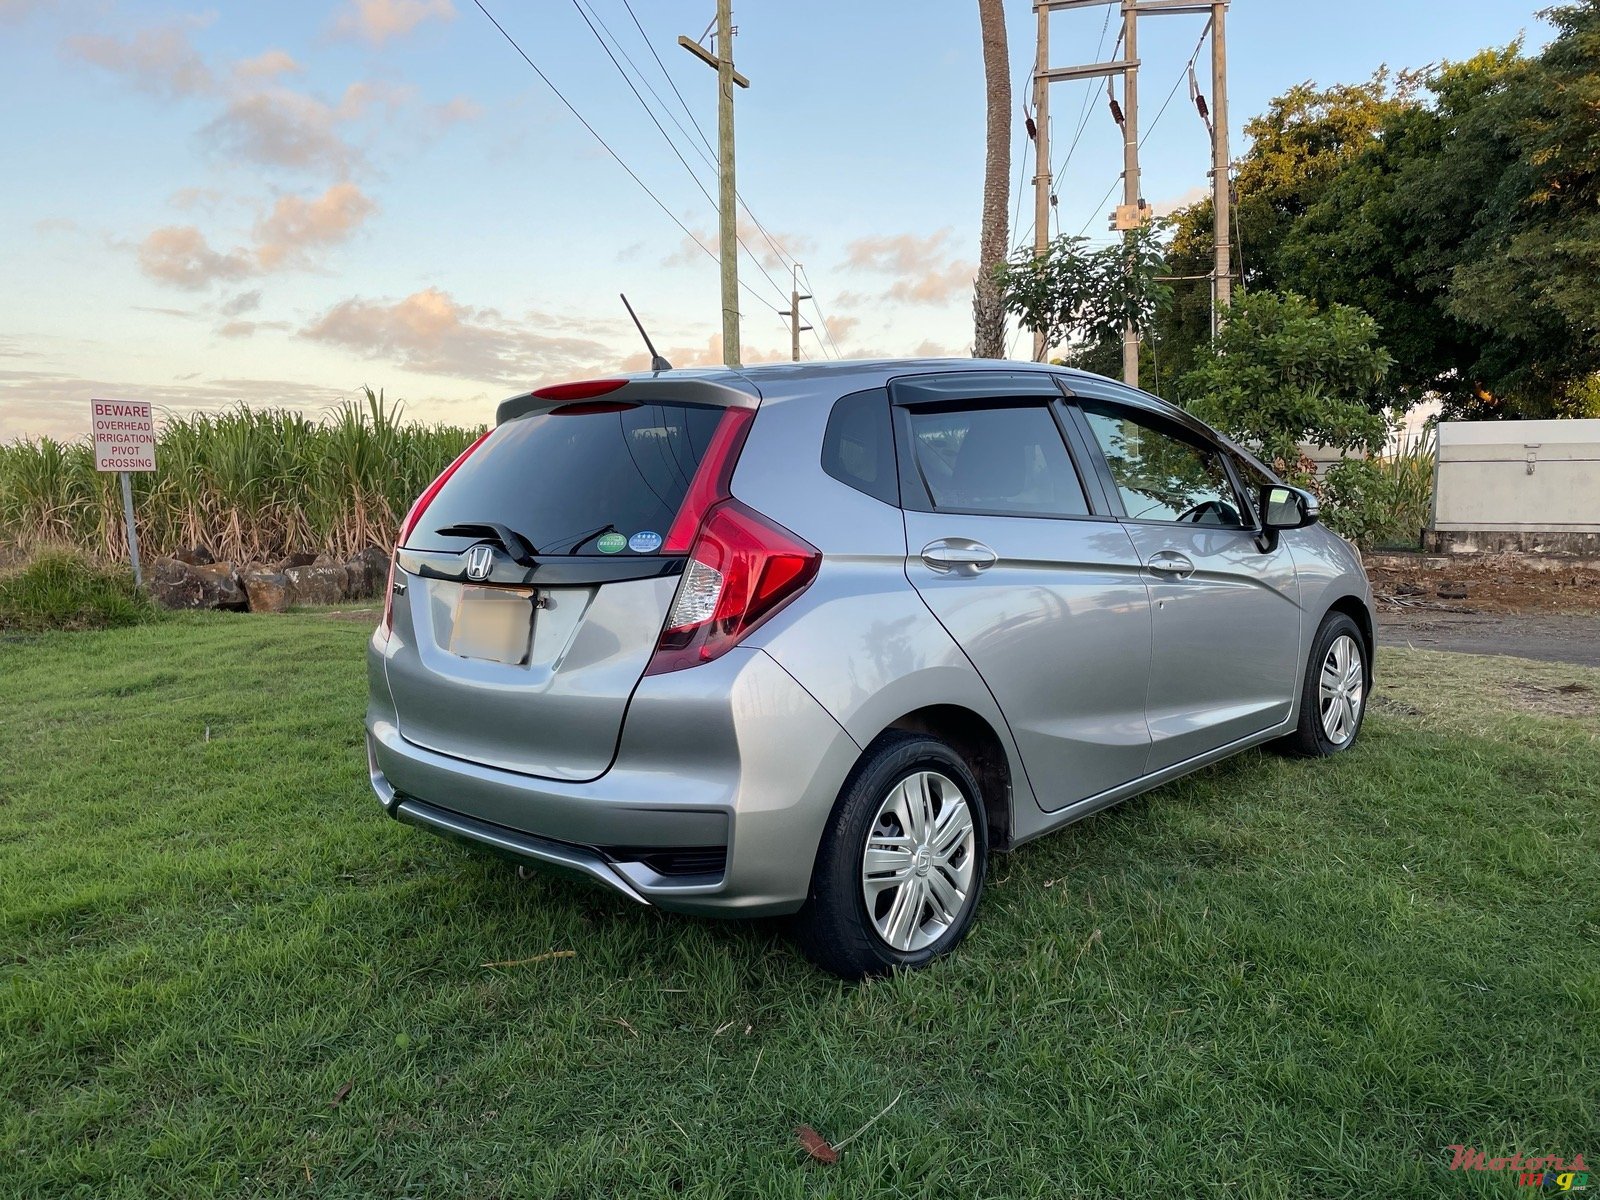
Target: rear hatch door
537, 579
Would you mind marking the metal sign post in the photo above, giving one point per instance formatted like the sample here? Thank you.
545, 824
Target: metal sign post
124, 441
133, 535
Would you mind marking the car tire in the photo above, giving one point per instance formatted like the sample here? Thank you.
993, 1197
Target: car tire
912, 803
1333, 696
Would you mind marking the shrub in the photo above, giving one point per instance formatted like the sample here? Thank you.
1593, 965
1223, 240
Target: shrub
1283, 371
1381, 501
61, 589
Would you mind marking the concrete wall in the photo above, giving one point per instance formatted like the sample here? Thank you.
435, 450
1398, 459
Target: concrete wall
1517, 478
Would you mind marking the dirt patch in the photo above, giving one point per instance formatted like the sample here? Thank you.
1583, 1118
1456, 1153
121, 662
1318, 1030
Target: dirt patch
1548, 637
1490, 584
1559, 700
1396, 708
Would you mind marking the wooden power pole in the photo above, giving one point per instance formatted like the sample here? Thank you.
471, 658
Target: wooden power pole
1133, 213
795, 328
1130, 165
1041, 154
728, 196
1221, 188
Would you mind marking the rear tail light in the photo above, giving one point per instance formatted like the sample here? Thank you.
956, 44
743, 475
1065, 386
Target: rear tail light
742, 569
412, 517
711, 479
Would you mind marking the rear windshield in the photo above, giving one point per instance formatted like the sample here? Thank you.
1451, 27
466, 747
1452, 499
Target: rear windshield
588, 479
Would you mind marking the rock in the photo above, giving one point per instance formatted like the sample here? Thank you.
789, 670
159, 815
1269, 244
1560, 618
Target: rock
367, 572
1452, 591
195, 556
268, 590
177, 584
317, 585
296, 560
324, 560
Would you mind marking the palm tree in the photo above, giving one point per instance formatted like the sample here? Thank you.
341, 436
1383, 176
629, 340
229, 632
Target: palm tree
988, 313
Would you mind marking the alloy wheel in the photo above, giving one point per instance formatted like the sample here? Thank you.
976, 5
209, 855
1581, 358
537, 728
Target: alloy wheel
1341, 689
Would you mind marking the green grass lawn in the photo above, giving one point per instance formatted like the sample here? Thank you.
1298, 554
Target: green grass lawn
224, 972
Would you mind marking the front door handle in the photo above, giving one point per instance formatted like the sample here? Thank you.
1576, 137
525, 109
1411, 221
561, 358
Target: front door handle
962, 556
1171, 564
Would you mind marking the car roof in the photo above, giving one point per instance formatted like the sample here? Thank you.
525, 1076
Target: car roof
781, 381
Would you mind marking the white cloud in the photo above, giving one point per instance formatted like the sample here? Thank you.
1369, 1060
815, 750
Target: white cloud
920, 266
161, 61
181, 256
281, 128
297, 225
268, 65
379, 20
432, 333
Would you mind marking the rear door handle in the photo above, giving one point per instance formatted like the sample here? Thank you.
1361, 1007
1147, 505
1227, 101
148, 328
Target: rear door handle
1172, 564
961, 556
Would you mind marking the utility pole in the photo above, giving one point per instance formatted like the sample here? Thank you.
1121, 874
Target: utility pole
1221, 188
727, 197
795, 328
1130, 163
1041, 154
1132, 213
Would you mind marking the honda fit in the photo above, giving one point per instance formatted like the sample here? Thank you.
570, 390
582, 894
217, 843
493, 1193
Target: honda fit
814, 639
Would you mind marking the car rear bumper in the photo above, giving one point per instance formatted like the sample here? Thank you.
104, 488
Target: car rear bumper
722, 784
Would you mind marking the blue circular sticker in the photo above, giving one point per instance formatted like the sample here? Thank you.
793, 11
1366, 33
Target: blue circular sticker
646, 541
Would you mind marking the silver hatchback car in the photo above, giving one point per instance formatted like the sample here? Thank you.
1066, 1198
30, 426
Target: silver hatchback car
813, 639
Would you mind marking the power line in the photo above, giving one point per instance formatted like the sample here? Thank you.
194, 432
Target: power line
687, 111
707, 155
1022, 164
1182, 75
1088, 95
1096, 209
786, 259
595, 133
671, 145
822, 318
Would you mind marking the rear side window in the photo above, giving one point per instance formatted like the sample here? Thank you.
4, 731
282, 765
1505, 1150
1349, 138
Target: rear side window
858, 447
1007, 460
582, 479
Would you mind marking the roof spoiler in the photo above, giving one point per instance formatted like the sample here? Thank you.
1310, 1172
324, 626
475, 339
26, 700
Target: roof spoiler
729, 393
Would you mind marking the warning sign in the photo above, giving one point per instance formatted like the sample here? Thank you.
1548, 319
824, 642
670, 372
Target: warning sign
124, 435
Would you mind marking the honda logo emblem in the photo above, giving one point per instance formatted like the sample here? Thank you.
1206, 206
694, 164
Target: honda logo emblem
480, 561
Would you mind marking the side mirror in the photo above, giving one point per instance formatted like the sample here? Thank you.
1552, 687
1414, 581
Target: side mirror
1284, 508
1287, 507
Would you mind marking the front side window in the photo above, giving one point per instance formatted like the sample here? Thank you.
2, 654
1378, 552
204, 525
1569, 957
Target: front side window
1003, 460
1159, 475
1254, 479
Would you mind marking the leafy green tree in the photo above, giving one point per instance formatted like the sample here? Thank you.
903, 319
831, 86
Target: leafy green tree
1527, 275
1282, 372
1303, 142
1471, 230
1087, 296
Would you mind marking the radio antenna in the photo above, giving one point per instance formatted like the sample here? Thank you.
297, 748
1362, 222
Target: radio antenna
657, 363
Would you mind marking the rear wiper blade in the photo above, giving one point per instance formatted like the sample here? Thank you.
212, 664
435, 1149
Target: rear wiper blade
512, 542
572, 547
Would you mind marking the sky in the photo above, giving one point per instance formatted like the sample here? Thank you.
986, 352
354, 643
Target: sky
282, 203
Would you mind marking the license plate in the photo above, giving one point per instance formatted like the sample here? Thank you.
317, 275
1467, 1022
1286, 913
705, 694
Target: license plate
494, 624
